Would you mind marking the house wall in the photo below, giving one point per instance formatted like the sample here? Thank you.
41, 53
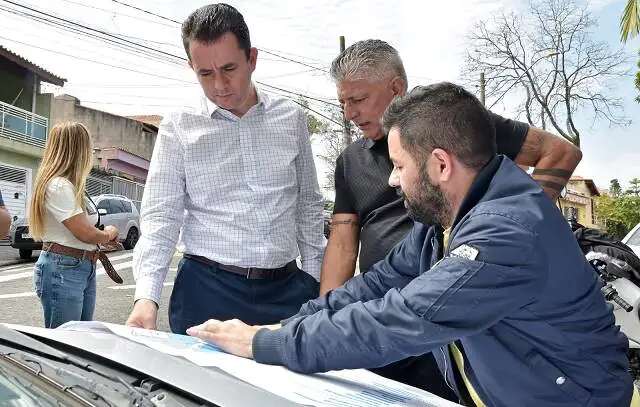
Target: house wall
580, 197
107, 130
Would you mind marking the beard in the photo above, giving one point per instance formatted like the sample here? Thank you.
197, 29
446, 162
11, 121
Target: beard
427, 203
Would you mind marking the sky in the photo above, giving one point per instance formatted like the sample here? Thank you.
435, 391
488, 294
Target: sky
297, 40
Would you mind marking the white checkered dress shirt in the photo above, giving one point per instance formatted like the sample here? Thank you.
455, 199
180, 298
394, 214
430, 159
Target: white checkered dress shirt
245, 188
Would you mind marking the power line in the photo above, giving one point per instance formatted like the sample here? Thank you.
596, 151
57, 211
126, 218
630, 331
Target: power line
293, 60
297, 94
147, 12
92, 29
93, 51
118, 13
64, 27
306, 107
97, 62
260, 49
134, 44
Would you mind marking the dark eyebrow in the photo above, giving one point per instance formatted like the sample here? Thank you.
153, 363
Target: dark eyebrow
204, 70
229, 65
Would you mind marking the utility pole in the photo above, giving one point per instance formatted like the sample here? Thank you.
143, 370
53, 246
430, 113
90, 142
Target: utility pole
346, 131
482, 84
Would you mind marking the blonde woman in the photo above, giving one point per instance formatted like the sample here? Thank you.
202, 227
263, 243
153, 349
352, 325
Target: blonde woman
59, 216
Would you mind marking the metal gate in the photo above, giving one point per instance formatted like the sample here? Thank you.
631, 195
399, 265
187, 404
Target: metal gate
130, 189
14, 185
98, 184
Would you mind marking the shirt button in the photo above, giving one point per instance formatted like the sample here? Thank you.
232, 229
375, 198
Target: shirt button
560, 380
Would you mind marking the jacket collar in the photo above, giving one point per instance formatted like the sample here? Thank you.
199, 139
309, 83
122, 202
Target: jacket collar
478, 188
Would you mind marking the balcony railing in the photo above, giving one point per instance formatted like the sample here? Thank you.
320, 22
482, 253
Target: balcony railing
23, 126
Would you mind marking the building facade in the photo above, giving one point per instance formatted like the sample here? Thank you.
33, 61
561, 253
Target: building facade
25, 117
580, 199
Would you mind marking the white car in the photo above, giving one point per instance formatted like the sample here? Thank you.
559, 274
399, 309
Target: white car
119, 211
116, 210
632, 239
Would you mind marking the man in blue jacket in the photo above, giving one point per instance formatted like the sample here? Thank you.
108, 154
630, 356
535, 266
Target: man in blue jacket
510, 308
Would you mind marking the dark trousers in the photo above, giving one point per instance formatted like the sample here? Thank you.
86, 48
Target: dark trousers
202, 292
421, 372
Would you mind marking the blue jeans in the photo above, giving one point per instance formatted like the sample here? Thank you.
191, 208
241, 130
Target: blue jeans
66, 287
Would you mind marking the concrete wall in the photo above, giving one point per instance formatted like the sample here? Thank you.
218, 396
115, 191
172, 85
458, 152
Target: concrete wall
107, 130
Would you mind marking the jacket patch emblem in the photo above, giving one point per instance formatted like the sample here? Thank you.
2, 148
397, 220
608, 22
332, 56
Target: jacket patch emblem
466, 252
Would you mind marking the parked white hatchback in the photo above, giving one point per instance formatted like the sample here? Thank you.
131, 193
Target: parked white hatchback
632, 239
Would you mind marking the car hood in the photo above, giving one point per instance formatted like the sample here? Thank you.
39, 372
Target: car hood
210, 384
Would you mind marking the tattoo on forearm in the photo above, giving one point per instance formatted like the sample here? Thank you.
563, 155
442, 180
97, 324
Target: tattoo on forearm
550, 184
553, 172
344, 222
532, 144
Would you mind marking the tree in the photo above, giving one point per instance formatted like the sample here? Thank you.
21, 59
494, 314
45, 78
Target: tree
620, 215
314, 124
615, 190
547, 59
333, 142
630, 20
638, 82
325, 126
634, 187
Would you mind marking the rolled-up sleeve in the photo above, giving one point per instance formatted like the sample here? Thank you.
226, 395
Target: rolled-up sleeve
458, 297
309, 223
161, 213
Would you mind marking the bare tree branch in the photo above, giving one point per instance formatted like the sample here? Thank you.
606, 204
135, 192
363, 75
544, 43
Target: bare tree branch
548, 60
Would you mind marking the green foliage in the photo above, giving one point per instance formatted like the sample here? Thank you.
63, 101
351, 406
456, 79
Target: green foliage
634, 187
615, 190
622, 212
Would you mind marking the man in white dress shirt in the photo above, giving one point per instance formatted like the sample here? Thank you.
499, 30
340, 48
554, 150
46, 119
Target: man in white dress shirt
241, 174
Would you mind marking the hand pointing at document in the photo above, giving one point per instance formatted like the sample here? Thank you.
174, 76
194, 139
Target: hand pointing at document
233, 336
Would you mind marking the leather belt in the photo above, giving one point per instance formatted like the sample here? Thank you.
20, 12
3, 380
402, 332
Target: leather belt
91, 255
251, 273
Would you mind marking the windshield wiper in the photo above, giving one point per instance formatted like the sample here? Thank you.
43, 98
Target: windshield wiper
22, 341
74, 384
96, 390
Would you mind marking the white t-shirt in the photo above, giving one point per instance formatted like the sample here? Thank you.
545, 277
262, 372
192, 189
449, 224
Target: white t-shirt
60, 204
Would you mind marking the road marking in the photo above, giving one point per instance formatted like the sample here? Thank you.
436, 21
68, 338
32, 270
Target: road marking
99, 270
17, 295
16, 267
132, 286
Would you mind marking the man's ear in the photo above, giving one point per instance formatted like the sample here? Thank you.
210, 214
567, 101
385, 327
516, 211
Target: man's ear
441, 164
398, 86
253, 58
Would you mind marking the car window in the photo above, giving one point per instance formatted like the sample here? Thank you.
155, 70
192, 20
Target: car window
104, 204
116, 206
634, 240
126, 205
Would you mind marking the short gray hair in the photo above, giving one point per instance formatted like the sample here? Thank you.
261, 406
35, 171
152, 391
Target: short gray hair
368, 59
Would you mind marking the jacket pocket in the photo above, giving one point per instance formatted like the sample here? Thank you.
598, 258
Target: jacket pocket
557, 378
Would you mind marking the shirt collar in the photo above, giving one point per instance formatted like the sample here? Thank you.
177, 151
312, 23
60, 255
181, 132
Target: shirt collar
209, 108
370, 144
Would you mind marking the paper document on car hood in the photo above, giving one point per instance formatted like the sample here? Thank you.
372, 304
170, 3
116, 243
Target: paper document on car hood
347, 388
